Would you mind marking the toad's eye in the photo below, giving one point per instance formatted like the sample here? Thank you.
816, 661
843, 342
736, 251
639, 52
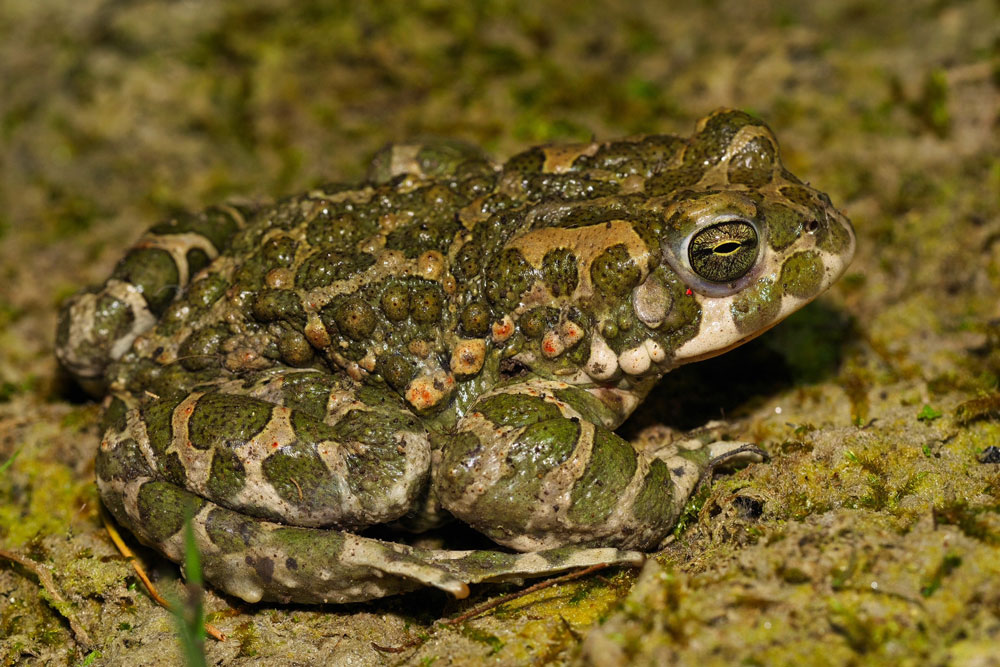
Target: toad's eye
723, 252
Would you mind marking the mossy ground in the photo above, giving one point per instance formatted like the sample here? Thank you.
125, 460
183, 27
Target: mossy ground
872, 537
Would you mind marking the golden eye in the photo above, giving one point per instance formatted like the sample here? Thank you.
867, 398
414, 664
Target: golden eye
723, 252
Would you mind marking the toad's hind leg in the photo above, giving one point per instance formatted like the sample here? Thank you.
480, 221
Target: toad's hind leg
256, 560
296, 447
97, 326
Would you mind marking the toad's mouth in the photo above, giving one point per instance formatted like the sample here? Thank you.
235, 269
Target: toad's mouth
708, 354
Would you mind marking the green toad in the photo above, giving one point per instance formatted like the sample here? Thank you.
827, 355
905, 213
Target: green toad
452, 338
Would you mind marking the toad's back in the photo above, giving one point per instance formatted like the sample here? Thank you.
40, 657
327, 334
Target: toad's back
444, 260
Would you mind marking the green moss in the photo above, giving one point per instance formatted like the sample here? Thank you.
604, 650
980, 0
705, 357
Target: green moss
492, 641
249, 638
928, 414
884, 493
969, 520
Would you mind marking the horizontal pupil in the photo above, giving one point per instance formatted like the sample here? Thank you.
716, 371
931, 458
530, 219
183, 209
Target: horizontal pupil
727, 248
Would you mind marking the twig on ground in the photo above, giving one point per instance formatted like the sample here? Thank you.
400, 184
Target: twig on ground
61, 605
492, 604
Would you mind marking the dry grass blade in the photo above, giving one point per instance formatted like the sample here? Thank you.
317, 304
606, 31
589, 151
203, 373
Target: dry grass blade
211, 630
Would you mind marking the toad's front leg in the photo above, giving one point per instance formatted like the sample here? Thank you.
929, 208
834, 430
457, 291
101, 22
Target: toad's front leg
533, 468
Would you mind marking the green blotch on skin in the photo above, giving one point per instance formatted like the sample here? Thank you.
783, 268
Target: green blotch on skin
485, 562
153, 272
620, 157
657, 150
213, 224
374, 427
670, 181
112, 317
329, 265
294, 349
530, 161
172, 469
377, 471
517, 410
272, 305
372, 471
753, 163
274, 253
614, 272
543, 446
158, 417
655, 501
227, 476
396, 370
710, 144
569, 187
799, 194
802, 274
444, 157
612, 464
354, 318
467, 262
375, 396
589, 406
783, 224
537, 320
308, 392
433, 229
512, 500
299, 476
339, 225
201, 349
206, 291
114, 418
426, 304
832, 237
684, 318
164, 508
455, 475
395, 303
559, 271
508, 277
123, 462
172, 380
197, 259
757, 306
225, 421
476, 319
307, 546
230, 531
